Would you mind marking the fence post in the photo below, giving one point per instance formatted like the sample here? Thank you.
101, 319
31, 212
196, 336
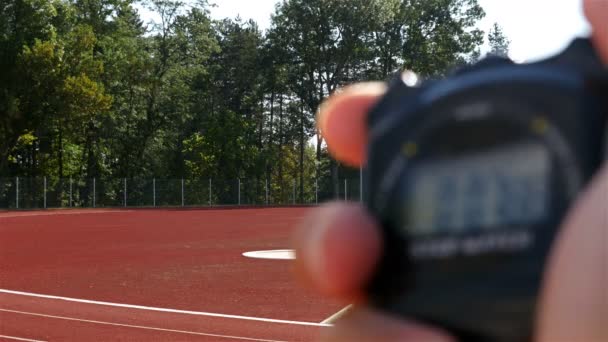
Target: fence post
239, 186
182, 192
361, 184
266, 186
294, 191
316, 191
209, 191
94, 192
70, 192
154, 192
44, 201
345, 189
125, 193
17, 192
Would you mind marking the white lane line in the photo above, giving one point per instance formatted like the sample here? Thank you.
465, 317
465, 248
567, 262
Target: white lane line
20, 339
149, 308
140, 327
333, 318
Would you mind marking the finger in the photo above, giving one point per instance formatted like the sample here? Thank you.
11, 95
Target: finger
596, 12
337, 247
342, 121
367, 325
574, 304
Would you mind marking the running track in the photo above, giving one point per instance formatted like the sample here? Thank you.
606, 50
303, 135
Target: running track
152, 275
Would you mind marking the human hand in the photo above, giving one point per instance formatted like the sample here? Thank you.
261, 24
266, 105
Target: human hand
339, 244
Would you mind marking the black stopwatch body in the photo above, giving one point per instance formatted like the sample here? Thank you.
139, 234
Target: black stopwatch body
470, 177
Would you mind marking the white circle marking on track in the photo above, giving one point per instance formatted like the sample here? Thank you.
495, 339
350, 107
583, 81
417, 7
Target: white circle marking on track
279, 254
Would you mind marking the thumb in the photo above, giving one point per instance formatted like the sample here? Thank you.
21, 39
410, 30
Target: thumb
596, 12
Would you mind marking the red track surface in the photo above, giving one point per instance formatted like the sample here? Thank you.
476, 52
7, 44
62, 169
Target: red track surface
183, 260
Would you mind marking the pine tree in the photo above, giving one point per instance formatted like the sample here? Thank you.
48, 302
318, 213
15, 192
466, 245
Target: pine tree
499, 43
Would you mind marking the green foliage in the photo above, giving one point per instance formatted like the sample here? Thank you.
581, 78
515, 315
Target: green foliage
87, 90
24, 23
440, 34
499, 43
222, 151
24, 142
84, 98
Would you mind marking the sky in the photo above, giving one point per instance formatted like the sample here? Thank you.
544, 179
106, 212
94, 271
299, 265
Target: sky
536, 28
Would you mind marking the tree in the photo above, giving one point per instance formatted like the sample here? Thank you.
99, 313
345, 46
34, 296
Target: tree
330, 43
157, 88
54, 86
86, 90
23, 23
227, 103
440, 34
323, 43
499, 43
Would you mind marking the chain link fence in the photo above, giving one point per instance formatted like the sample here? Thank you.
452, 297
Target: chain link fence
44, 192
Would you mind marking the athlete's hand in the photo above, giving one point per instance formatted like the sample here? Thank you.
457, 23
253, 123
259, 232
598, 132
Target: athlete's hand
339, 244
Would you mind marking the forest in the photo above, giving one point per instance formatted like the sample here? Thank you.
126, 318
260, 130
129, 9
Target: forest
90, 90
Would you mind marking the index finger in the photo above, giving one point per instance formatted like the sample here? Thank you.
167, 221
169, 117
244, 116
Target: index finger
342, 121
